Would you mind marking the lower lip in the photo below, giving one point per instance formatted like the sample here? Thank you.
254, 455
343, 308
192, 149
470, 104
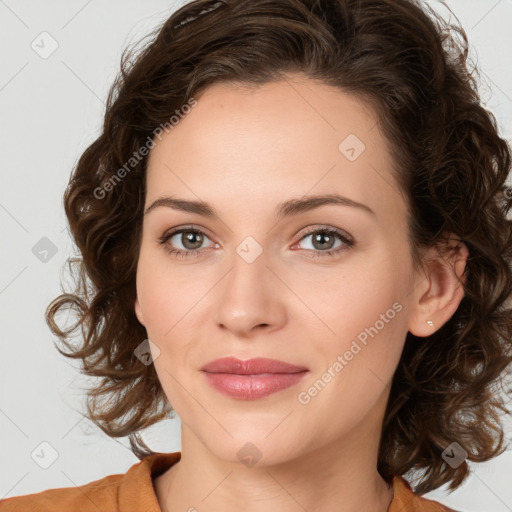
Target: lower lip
248, 387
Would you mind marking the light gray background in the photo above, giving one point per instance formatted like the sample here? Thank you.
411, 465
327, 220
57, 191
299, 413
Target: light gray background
51, 110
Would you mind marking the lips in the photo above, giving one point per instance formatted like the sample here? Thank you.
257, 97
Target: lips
256, 366
251, 379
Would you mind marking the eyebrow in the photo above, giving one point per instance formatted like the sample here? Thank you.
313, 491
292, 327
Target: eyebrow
285, 209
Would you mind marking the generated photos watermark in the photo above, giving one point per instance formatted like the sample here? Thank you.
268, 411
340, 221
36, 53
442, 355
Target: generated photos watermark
101, 192
304, 397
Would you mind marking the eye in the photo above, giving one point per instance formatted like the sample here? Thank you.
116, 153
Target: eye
324, 239
190, 238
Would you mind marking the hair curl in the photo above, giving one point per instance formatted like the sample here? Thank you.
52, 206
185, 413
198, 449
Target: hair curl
450, 163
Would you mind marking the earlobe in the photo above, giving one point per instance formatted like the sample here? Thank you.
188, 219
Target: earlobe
138, 312
439, 292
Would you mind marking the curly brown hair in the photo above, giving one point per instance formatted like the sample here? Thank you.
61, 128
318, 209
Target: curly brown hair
451, 164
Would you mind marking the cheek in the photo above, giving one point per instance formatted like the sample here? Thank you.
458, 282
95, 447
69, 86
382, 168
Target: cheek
169, 301
352, 298
165, 295
358, 365
364, 318
163, 305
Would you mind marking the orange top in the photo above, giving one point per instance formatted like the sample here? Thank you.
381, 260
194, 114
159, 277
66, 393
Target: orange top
134, 492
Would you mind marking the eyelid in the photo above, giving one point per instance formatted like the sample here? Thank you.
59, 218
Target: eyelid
309, 230
187, 227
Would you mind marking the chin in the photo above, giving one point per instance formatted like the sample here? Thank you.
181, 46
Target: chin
250, 450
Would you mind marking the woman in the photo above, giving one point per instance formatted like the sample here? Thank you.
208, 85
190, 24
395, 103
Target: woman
294, 236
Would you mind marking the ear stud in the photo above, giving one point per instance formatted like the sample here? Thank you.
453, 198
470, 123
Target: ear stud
429, 322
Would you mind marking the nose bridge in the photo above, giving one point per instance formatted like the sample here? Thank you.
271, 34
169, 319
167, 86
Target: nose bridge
247, 281
249, 295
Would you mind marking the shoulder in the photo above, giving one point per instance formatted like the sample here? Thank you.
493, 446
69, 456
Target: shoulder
405, 499
97, 495
132, 491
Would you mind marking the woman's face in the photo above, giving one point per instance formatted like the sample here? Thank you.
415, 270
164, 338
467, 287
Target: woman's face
257, 281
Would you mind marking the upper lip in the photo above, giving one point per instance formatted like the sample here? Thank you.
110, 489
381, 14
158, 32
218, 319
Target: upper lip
250, 366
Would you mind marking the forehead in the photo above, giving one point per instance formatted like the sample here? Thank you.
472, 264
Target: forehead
274, 141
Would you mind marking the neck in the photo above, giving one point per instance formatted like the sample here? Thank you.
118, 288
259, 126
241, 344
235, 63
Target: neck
340, 477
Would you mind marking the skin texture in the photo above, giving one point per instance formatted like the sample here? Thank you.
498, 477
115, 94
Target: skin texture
244, 151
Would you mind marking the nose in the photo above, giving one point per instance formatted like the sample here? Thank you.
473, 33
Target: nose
250, 298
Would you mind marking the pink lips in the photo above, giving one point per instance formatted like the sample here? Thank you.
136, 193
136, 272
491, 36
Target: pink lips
254, 378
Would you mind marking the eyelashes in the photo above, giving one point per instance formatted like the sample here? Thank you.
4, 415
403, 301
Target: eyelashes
346, 242
330, 232
181, 252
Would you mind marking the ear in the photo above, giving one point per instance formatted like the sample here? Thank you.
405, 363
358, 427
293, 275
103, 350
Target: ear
138, 312
438, 291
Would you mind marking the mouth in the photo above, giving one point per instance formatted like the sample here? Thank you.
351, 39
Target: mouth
252, 379
257, 366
